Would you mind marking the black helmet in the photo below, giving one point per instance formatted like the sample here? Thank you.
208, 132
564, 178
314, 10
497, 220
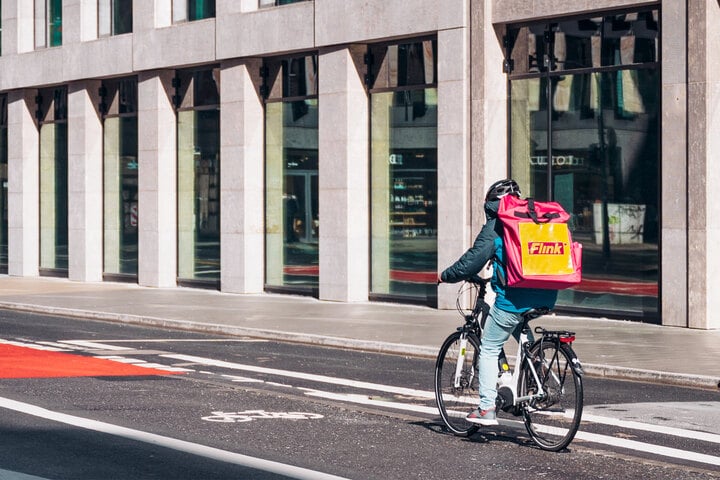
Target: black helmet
502, 188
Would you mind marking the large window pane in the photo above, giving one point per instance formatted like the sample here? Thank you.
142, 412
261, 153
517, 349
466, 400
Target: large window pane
404, 193
121, 210
52, 105
3, 184
603, 162
291, 189
199, 194
53, 196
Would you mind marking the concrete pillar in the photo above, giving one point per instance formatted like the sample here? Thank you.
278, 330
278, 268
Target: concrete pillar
157, 175
674, 166
242, 184
454, 234
703, 152
23, 185
343, 176
85, 182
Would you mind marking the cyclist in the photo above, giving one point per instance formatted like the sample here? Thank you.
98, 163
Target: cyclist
505, 316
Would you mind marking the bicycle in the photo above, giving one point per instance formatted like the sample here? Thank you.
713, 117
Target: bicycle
545, 386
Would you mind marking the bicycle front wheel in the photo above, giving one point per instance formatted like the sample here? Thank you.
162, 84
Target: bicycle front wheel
552, 420
456, 382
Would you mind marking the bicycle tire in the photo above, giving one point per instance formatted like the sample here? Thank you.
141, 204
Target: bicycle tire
552, 421
454, 403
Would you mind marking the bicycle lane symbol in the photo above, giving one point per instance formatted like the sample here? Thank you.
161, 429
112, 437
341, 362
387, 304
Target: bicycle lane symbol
250, 415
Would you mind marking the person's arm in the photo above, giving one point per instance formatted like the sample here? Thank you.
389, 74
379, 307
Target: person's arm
474, 259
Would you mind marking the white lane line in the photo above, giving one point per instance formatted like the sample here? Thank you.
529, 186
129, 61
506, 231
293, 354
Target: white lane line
186, 340
303, 376
34, 346
167, 442
93, 345
590, 437
10, 475
649, 448
690, 434
648, 427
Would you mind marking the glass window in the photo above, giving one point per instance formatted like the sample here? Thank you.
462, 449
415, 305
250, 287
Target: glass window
3, 184
48, 23
273, 3
114, 17
403, 168
292, 219
189, 10
614, 40
198, 131
120, 177
52, 112
590, 140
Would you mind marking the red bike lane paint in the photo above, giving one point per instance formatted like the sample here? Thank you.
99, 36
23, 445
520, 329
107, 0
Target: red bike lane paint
24, 362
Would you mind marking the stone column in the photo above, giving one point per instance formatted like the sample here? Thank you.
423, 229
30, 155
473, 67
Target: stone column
343, 176
241, 185
85, 182
23, 185
703, 153
157, 177
674, 166
454, 234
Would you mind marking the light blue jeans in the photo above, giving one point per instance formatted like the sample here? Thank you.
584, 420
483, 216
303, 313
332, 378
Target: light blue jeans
498, 328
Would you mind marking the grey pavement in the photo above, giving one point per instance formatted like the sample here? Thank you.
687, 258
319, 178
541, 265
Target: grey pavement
611, 348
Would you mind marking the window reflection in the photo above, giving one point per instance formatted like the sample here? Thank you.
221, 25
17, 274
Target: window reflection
590, 141
292, 221
114, 17
199, 175
614, 40
404, 171
120, 172
3, 184
52, 111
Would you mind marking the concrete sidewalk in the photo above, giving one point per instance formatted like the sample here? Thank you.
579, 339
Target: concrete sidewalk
619, 349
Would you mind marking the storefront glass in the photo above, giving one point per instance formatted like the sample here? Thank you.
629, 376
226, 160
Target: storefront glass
120, 172
199, 176
404, 171
292, 219
53, 181
4, 185
589, 139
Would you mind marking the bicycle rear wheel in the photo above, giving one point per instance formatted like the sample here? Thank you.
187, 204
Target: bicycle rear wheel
552, 420
456, 397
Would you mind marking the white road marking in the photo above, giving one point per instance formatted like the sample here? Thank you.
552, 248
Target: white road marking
34, 346
648, 427
10, 475
649, 448
303, 376
186, 340
93, 345
168, 442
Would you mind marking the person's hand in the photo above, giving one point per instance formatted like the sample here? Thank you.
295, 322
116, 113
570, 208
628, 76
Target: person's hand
439, 279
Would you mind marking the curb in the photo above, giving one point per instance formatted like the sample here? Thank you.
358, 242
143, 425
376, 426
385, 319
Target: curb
595, 370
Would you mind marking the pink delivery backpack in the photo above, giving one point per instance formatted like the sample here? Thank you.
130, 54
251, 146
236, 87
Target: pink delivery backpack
539, 250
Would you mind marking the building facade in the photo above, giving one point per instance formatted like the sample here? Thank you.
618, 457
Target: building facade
204, 143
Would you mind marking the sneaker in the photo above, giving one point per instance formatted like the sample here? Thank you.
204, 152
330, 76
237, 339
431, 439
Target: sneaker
482, 417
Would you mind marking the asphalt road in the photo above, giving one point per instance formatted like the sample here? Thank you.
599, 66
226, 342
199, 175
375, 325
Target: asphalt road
243, 408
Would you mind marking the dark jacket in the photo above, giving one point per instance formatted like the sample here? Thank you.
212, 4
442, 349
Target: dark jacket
488, 245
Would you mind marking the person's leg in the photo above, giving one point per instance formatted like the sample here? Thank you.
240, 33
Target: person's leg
498, 328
